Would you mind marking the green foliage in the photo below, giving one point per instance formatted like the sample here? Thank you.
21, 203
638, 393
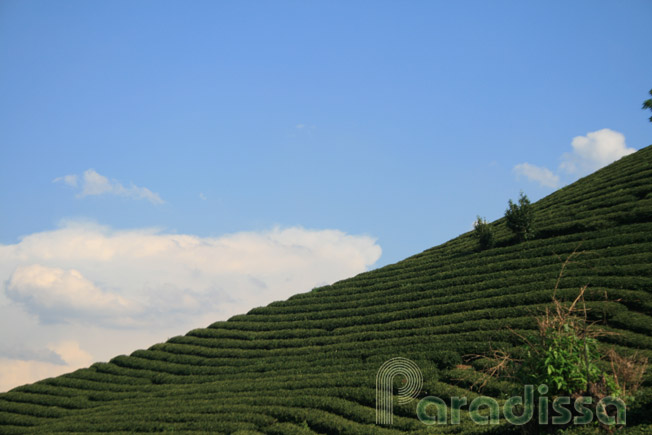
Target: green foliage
484, 233
647, 104
565, 361
519, 218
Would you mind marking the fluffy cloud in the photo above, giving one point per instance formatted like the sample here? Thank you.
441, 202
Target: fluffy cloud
594, 151
543, 176
113, 291
85, 270
56, 294
93, 183
590, 153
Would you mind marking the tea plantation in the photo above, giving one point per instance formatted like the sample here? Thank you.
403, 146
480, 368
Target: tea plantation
308, 364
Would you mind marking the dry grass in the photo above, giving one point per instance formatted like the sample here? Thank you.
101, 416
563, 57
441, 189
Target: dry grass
627, 370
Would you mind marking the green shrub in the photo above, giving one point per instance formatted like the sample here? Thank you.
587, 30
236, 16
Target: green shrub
565, 361
484, 233
519, 218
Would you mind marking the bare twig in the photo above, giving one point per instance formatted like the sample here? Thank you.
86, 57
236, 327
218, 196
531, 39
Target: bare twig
563, 266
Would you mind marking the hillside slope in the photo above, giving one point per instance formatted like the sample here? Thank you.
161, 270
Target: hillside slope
308, 364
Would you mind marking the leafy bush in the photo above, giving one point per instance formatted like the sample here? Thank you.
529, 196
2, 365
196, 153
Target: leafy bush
483, 233
519, 218
564, 357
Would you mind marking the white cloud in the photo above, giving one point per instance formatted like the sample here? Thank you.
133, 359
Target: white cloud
202, 196
543, 176
594, 151
96, 184
15, 372
70, 180
590, 153
53, 293
113, 291
93, 183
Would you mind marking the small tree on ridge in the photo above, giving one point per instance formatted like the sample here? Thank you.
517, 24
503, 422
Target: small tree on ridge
519, 218
483, 233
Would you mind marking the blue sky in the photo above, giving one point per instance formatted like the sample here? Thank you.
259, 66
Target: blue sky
415, 113
391, 123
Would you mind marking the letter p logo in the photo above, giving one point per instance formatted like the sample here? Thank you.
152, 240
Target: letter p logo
412, 383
